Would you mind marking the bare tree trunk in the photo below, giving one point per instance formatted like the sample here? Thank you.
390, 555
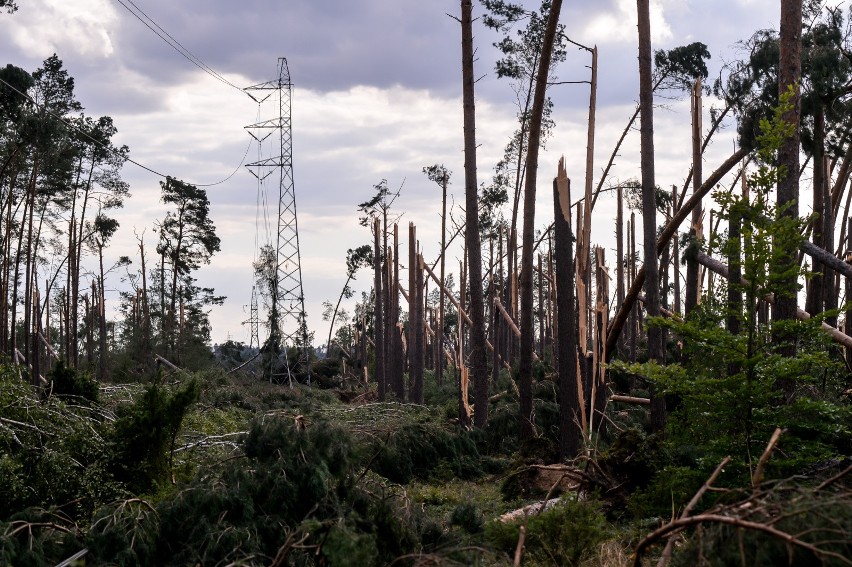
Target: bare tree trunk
814, 298
415, 321
830, 288
464, 411
378, 331
439, 362
102, 326
526, 312
35, 360
789, 74
695, 236
848, 322
496, 328
419, 325
649, 208
478, 360
569, 395
620, 258
634, 310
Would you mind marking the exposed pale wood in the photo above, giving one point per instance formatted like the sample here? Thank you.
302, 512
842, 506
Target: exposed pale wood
450, 296
757, 477
630, 400
508, 318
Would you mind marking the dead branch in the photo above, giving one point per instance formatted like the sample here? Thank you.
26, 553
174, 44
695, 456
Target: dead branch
519, 549
831, 480
670, 229
757, 477
667, 552
678, 525
630, 400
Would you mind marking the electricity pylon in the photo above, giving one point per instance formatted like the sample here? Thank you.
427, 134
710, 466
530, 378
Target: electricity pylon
288, 296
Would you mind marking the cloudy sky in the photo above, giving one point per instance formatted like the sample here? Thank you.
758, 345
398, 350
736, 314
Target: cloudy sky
377, 95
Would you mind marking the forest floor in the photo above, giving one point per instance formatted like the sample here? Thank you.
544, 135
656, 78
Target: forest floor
266, 474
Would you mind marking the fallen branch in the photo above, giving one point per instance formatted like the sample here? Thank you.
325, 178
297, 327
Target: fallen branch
630, 400
678, 525
667, 552
617, 323
802, 315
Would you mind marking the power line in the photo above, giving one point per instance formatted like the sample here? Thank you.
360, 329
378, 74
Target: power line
140, 15
112, 150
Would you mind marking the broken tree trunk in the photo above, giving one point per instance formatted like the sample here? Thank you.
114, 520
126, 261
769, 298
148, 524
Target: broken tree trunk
378, 331
569, 385
695, 236
665, 236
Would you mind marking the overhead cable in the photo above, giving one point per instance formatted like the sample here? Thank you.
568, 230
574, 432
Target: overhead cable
111, 149
152, 25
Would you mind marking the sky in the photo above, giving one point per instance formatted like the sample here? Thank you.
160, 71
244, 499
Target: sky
376, 95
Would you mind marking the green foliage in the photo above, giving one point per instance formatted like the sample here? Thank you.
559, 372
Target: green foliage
724, 394
422, 451
69, 382
467, 517
293, 491
42, 441
144, 434
564, 534
680, 66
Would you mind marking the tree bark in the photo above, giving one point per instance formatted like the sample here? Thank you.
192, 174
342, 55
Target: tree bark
789, 74
649, 207
569, 397
692, 276
439, 363
526, 346
378, 331
478, 360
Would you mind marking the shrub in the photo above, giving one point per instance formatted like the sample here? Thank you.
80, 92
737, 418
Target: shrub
69, 382
422, 450
562, 535
144, 434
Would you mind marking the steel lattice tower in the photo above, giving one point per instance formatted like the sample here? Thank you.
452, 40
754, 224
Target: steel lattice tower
288, 293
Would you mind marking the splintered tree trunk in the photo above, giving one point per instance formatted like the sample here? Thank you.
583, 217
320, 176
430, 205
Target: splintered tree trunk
619, 267
830, 290
569, 392
378, 332
692, 272
649, 209
415, 320
476, 309
395, 339
815, 296
439, 363
789, 75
